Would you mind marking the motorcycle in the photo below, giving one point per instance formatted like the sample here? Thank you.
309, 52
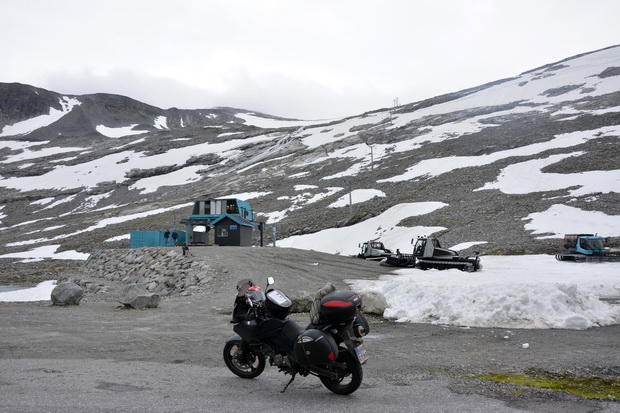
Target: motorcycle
330, 347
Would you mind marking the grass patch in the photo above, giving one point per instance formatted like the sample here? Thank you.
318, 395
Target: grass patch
586, 387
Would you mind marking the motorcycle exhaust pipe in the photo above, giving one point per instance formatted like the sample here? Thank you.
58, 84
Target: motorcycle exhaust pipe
359, 331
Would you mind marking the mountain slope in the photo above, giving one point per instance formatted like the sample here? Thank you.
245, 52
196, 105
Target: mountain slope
503, 160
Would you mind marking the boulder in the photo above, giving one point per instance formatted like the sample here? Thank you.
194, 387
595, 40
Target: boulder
301, 304
373, 303
136, 296
67, 293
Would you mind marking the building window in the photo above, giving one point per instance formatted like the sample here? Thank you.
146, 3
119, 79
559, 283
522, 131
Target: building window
222, 232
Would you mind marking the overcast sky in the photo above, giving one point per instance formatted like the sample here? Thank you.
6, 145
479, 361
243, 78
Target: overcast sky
308, 59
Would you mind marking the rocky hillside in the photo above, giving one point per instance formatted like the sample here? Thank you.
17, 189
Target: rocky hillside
77, 173
81, 115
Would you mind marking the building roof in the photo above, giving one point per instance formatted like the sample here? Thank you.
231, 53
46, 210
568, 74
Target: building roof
237, 219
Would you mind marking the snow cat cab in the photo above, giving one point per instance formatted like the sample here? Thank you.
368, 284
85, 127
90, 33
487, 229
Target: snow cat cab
588, 248
373, 250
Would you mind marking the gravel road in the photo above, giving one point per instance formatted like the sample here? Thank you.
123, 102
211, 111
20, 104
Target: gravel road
98, 357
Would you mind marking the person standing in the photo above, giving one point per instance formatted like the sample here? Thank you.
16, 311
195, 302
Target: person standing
174, 238
166, 237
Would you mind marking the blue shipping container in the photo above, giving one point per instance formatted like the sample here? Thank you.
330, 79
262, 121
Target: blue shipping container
141, 239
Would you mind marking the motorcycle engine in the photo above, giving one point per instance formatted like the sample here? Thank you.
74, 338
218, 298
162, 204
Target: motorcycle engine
281, 361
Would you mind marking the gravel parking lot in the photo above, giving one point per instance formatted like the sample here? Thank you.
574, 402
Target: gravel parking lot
97, 356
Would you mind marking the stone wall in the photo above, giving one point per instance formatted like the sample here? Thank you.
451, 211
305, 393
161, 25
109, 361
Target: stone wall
166, 272
159, 270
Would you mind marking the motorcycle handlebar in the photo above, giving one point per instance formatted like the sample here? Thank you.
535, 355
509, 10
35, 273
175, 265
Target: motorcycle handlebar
251, 315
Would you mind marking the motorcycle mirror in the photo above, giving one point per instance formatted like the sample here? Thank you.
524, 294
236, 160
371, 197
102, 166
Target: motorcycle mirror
270, 281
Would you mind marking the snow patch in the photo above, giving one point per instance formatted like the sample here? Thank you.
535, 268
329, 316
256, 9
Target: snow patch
253, 120
561, 219
161, 122
42, 292
47, 251
384, 226
25, 127
119, 132
357, 196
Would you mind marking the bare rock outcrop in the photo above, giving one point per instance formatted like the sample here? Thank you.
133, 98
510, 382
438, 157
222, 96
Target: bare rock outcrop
135, 296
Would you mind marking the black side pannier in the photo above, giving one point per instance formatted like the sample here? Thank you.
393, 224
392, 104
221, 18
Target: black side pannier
314, 347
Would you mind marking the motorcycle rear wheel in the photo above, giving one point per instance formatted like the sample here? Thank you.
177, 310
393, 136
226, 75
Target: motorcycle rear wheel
349, 378
246, 364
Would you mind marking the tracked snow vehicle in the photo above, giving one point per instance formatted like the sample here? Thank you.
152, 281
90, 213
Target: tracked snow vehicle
373, 250
587, 248
428, 253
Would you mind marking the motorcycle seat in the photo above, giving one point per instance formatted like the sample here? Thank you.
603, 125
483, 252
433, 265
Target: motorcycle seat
292, 330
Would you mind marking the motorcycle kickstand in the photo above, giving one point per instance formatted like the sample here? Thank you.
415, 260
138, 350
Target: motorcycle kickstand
289, 382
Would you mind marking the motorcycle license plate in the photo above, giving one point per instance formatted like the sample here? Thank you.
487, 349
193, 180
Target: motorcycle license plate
362, 356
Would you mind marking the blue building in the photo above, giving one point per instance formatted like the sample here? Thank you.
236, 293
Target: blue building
231, 219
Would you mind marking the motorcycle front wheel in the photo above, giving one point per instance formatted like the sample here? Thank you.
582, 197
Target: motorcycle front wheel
244, 363
349, 376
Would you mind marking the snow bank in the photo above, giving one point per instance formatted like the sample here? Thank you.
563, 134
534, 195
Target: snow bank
510, 292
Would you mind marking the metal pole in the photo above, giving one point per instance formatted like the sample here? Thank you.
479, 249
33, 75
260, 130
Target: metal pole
350, 200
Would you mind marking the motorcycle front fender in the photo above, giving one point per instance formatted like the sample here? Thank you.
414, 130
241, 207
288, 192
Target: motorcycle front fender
236, 339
